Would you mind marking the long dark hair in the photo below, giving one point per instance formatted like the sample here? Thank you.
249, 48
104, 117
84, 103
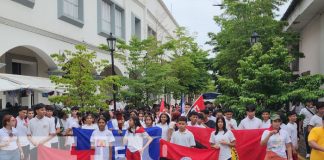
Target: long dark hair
137, 123
224, 125
168, 118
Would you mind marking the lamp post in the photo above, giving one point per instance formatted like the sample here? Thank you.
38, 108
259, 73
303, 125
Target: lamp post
111, 40
254, 38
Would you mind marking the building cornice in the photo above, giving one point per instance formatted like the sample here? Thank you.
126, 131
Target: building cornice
45, 33
290, 9
168, 12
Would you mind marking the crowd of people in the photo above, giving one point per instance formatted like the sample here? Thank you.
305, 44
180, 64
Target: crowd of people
21, 135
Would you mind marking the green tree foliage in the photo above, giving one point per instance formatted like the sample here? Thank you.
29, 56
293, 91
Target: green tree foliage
260, 74
79, 79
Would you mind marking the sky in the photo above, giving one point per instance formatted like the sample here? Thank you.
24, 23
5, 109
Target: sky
197, 17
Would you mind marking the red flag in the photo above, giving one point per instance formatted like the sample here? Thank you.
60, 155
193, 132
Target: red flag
45, 153
162, 109
173, 151
247, 141
199, 105
201, 135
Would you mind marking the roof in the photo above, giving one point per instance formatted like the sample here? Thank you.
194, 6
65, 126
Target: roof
13, 82
290, 9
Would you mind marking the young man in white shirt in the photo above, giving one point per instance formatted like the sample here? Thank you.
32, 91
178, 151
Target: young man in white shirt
316, 120
291, 128
57, 126
72, 121
40, 130
193, 116
250, 121
230, 122
266, 122
308, 112
183, 137
21, 127
186, 110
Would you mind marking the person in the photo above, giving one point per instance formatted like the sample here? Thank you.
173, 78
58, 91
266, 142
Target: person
61, 136
210, 116
222, 139
89, 122
57, 125
277, 141
250, 121
40, 130
10, 148
183, 136
200, 121
207, 122
316, 141
291, 128
193, 116
308, 112
30, 113
72, 121
266, 122
148, 121
230, 122
163, 123
101, 140
134, 139
141, 118
316, 120
173, 124
186, 109
21, 126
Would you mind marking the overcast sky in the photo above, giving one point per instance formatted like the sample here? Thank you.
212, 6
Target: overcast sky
197, 16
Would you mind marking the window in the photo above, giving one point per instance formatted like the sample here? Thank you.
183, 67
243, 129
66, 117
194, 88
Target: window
106, 17
28, 3
118, 23
136, 27
150, 32
110, 19
71, 11
16, 68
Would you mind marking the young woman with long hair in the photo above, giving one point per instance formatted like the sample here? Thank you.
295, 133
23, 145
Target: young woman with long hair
163, 123
134, 139
222, 139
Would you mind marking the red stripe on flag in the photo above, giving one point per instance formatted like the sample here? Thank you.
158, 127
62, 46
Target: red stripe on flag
45, 153
82, 154
173, 151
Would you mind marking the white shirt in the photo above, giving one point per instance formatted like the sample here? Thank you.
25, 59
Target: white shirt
291, 128
135, 141
225, 150
316, 121
101, 140
195, 125
308, 115
266, 124
185, 138
4, 137
247, 123
64, 123
277, 142
165, 128
21, 127
40, 129
92, 126
232, 122
55, 139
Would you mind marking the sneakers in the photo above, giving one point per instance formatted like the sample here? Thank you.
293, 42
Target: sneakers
307, 155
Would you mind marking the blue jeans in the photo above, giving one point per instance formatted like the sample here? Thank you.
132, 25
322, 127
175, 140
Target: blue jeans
10, 154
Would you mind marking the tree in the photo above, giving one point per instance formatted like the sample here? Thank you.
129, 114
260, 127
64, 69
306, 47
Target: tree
239, 20
79, 79
260, 74
189, 63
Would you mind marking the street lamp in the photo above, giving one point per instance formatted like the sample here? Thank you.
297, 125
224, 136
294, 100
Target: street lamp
111, 40
254, 38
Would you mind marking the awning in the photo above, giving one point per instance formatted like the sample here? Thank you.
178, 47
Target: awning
14, 82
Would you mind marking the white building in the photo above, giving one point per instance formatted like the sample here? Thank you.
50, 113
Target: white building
306, 17
32, 30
